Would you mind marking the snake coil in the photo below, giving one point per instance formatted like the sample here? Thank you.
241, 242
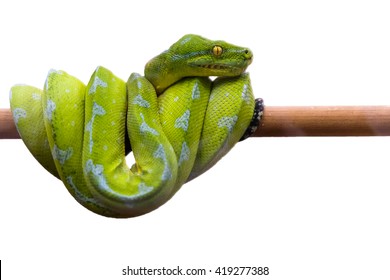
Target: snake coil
179, 122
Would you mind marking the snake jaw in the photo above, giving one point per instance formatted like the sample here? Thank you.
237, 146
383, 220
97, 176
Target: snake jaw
216, 68
222, 66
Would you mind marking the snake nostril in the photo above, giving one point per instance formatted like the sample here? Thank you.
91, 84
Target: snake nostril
248, 54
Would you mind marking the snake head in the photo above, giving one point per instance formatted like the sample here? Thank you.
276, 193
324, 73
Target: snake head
194, 55
203, 57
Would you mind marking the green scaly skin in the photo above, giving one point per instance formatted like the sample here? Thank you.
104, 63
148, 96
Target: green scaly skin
179, 122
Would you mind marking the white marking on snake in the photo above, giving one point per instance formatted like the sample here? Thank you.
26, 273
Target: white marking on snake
18, 113
67, 90
50, 107
144, 127
186, 40
185, 153
36, 96
52, 71
195, 91
227, 122
97, 110
59, 72
176, 98
138, 100
245, 96
97, 82
78, 194
97, 172
182, 121
167, 174
62, 155
134, 76
143, 189
160, 153
188, 55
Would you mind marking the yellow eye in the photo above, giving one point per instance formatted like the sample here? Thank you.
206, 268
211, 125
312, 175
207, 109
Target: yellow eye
217, 50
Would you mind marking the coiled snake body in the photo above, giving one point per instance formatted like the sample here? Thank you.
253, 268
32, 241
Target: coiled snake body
179, 123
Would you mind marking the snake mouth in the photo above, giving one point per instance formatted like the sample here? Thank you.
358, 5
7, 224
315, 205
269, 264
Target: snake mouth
217, 66
215, 69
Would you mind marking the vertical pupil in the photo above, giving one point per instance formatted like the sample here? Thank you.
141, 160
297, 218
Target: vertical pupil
217, 50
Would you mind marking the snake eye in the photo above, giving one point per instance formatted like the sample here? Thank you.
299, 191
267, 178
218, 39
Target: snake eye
217, 50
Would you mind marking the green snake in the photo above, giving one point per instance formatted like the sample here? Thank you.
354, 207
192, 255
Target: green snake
179, 122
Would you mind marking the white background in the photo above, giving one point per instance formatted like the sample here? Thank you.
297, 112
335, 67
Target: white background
308, 208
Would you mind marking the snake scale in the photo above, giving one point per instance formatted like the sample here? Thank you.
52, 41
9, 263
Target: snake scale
179, 122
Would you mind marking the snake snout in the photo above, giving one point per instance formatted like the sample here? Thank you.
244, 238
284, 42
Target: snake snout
248, 54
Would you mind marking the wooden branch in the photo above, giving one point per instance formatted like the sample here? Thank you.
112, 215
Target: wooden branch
7, 125
325, 121
293, 121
